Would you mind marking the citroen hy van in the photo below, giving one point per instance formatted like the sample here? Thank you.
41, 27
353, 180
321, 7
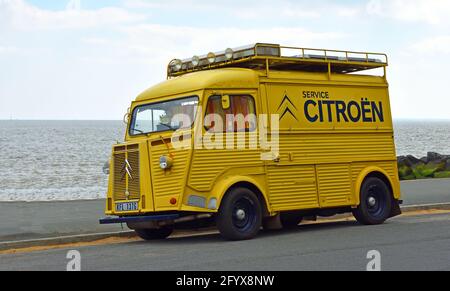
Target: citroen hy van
257, 137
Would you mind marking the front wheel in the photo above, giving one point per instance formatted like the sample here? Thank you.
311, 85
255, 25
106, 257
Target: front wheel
240, 215
154, 234
376, 202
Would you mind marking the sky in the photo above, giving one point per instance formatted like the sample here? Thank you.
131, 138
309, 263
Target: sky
88, 59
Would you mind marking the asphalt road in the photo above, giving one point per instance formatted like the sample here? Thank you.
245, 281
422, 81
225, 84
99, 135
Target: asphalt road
33, 220
427, 191
405, 243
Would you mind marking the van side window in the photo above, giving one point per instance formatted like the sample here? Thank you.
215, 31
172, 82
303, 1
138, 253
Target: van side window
240, 117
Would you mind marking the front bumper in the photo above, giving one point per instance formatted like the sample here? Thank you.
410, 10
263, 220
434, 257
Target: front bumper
139, 219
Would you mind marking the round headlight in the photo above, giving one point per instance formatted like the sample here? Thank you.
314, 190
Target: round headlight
165, 162
211, 58
195, 61
176, 65
229, 53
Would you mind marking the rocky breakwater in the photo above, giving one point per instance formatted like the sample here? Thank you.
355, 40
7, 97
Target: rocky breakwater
434, 165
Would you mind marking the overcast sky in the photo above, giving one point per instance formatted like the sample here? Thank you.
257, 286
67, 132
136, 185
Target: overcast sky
89, 59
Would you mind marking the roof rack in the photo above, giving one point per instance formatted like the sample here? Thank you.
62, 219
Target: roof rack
265, 56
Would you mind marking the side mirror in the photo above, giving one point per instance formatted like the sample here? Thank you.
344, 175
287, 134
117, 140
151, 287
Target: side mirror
226, 102
126, 117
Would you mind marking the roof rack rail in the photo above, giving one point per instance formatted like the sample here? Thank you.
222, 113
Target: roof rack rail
266, 56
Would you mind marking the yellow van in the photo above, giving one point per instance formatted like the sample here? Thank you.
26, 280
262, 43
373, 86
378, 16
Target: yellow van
258, 136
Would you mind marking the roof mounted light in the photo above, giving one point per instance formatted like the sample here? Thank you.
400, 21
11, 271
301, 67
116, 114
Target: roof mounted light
195, 61
176, 65
211, 58
251, 56
229, 53
273, 50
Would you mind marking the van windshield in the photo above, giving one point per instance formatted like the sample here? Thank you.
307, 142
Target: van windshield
164, 116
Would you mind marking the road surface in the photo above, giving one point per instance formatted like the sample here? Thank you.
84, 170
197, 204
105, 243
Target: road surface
427, 191
406, 243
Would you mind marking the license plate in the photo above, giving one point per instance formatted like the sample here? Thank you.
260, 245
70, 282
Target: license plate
127, 206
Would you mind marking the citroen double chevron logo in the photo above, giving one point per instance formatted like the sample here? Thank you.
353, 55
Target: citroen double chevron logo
288, 107
127, 170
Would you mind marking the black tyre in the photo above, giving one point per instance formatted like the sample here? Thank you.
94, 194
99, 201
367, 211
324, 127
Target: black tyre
240, 215
290, 219
154, 234
376, 202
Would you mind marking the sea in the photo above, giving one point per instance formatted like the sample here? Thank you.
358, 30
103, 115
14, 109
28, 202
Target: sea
63, 160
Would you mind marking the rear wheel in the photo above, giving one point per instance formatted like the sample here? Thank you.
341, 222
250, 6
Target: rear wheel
240, 215
376, 202
154, 234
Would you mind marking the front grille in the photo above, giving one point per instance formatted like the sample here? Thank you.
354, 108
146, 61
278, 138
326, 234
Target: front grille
120, 184
133, 184
123, 183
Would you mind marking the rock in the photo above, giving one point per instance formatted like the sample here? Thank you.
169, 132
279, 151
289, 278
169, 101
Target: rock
434, 165
447, 167
402, 161
439, 165
408, 161
413, 160
432, 156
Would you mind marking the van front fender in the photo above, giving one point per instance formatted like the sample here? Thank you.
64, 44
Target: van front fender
221, 188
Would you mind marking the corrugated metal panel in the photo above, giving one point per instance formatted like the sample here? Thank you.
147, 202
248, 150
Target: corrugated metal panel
122, 182
292, 187
120, 185
292, 183
207, 165
326, 147
170, 182
134, 184
389, 167
334, 183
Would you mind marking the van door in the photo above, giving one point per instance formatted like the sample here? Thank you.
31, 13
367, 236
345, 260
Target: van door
291, 181
334, 184
229, 143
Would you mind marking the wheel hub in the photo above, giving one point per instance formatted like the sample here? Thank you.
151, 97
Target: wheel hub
240, 214
372, 201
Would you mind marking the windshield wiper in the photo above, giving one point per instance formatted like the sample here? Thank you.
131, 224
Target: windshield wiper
168, 126
163, 124
138, 130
